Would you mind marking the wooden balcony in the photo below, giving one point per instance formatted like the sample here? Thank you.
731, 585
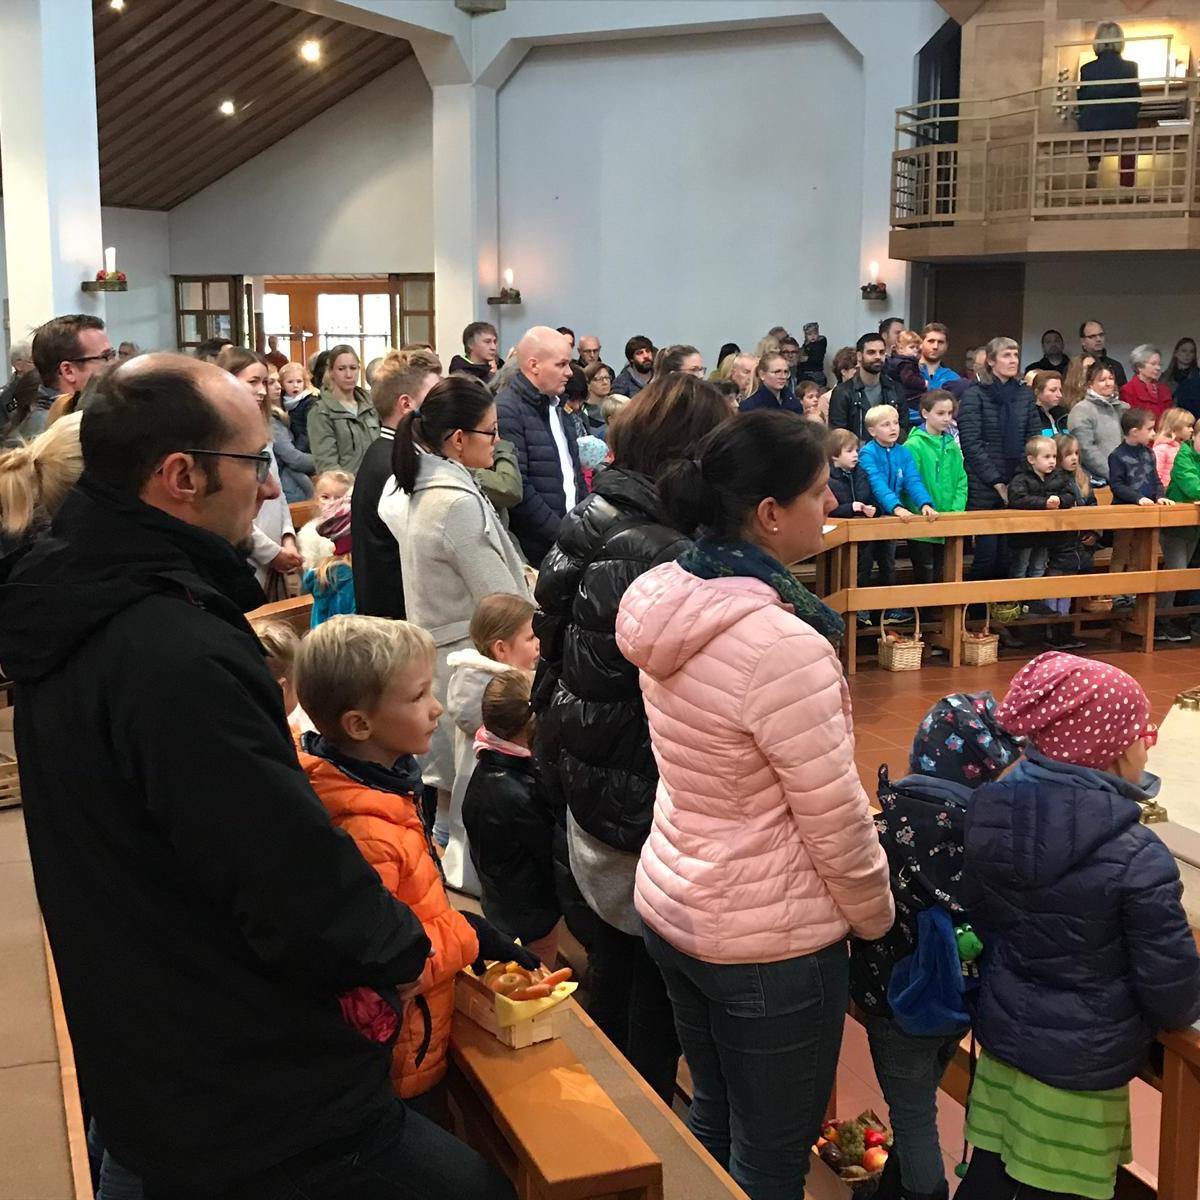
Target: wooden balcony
1013, 177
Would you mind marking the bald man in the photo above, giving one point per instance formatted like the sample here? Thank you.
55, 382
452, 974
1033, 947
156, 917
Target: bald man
204, 915
530, 418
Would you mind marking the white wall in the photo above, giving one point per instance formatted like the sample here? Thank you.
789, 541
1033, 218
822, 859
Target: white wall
699, 188
347, 193
145, 314
1139, 297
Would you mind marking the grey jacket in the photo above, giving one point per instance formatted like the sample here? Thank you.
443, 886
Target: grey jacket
337, 437
1095, 423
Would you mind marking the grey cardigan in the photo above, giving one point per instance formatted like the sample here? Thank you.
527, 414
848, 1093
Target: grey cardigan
453, 549
1095, 423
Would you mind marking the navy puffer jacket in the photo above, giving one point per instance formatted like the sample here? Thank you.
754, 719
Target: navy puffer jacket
1087, 949
524, 414
995, 420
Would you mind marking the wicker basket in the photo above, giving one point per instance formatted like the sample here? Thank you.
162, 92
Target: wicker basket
983, 648
1005, 612
903, 654
1096, 604
10, 782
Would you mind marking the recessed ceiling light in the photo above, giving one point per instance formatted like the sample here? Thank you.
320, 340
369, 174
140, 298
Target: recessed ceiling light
117, 5
227, 108
310, 51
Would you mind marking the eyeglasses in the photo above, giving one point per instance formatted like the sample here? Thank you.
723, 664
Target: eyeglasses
261, 460
1150, 737
107, 357
494, 434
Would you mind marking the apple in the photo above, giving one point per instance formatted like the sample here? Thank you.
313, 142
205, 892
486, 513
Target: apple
874, 1159
873, 1137
99, 276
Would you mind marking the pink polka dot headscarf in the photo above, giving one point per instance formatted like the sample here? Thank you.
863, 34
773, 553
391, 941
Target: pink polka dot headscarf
1075, 710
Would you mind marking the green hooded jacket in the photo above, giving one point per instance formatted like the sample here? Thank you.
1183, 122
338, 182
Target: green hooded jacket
940, 462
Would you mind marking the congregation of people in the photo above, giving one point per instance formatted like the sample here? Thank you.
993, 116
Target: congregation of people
558, 663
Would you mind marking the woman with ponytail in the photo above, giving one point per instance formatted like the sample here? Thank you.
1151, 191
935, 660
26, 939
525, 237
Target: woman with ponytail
453, 552
762, 856
34, 481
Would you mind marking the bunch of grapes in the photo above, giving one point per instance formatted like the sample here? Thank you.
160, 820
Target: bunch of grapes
850, 1142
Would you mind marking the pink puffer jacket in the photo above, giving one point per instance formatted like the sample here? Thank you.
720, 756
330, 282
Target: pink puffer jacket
762, 846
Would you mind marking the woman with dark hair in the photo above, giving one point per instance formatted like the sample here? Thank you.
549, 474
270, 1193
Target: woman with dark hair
274, 554
762, 856
592, 733
1182, 365
453, 552
343, 422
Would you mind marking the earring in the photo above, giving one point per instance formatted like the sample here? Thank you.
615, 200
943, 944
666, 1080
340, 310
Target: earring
774, 528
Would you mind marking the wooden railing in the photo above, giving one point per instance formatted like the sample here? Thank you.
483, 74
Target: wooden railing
837, 570
963, 162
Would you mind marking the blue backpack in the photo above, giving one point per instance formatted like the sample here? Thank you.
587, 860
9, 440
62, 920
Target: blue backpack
932, 992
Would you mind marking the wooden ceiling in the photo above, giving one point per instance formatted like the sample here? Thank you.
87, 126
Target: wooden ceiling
164, 66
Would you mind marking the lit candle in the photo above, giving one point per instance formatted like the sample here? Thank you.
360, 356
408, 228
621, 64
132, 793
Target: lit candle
508, 278
874, 272
110, 259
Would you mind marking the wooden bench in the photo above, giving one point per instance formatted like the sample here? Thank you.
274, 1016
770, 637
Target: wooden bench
303, 511
836, 569
296, 611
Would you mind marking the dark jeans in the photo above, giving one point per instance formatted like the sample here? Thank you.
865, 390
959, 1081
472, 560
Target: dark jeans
928, 561
991, 556
762, 1041
987, 1179
629, 1001
909, 1070
876, 554
402, 1156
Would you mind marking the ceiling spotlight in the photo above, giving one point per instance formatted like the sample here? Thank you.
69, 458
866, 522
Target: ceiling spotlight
310, 51
226, 108
117, 5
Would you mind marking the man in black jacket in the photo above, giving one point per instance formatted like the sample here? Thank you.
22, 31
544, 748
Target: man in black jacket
1091, 343
850, 401
375, 556
204, 915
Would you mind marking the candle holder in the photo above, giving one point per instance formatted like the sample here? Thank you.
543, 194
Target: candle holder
874, 291
508, 295
106, 281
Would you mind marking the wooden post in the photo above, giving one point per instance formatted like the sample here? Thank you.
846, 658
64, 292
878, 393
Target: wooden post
1179, 1146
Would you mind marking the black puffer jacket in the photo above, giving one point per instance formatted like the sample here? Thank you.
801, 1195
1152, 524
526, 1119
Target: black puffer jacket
593, 739
995, 420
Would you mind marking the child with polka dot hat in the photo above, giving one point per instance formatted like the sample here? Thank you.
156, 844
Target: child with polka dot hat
1087, 949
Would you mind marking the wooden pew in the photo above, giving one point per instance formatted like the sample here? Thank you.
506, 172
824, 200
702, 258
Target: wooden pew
296, 611
303, 511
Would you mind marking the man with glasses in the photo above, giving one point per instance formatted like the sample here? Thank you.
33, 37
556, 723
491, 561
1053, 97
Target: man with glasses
67, 352
204, 915
1091, 343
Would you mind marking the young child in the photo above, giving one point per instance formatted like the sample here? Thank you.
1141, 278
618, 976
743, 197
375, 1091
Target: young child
1071, 553
280, 643
1039, 484
502, 635
510, 823
1133, 477
957, 747
896, 482
329, 488
331, 581
940, 464
1087, 951
1179, 542
593, 453
367, 684
296, 398
902, 366
808, 392
852, 490
1176, 429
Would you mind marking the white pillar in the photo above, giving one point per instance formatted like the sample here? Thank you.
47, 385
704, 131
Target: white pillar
49, 148
465, 224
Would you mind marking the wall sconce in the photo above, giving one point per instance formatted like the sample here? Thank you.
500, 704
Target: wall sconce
508, 293
109, 279
874, 290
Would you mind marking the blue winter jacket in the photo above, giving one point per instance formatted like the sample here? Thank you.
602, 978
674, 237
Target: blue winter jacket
1087, 948
524, 415
1133, 473
848, 486
894, 478
765, 398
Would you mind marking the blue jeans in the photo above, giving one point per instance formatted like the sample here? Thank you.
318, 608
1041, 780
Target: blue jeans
909, 1070
402, 1156
762, 1042
114, 1182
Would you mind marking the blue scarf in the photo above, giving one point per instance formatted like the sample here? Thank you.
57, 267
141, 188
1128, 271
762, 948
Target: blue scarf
709, 559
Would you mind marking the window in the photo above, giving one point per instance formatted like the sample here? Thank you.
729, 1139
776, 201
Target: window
204, 308
277, 321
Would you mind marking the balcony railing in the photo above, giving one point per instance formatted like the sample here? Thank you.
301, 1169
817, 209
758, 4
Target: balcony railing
1021, 157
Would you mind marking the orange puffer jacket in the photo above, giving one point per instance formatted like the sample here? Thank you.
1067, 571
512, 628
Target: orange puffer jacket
387, 829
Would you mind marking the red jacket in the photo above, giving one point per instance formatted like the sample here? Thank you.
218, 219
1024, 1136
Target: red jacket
388, 831
1153, 397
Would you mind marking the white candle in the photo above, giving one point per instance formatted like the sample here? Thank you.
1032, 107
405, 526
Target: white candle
110, 259
874, 272
508, 277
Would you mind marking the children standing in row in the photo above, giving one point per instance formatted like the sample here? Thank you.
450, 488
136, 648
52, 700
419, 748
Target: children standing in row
1039, 485
1176, 429
502, 637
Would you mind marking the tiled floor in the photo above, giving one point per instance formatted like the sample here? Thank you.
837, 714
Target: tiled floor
887, 708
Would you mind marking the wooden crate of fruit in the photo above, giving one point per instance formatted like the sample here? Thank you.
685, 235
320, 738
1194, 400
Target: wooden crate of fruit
516, 1006
857, 1150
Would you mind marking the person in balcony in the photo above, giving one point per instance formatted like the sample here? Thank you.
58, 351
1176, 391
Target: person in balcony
1111, 78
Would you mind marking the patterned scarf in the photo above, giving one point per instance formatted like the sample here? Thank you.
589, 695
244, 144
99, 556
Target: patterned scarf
709, 559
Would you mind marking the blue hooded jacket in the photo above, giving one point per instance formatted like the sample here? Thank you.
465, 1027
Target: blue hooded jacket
1087, 949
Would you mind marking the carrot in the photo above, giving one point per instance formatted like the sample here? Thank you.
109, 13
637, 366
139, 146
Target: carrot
556, 977
537, 991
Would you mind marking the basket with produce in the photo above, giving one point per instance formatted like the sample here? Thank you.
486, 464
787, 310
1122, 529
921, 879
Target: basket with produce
857, 1150
517, 1006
